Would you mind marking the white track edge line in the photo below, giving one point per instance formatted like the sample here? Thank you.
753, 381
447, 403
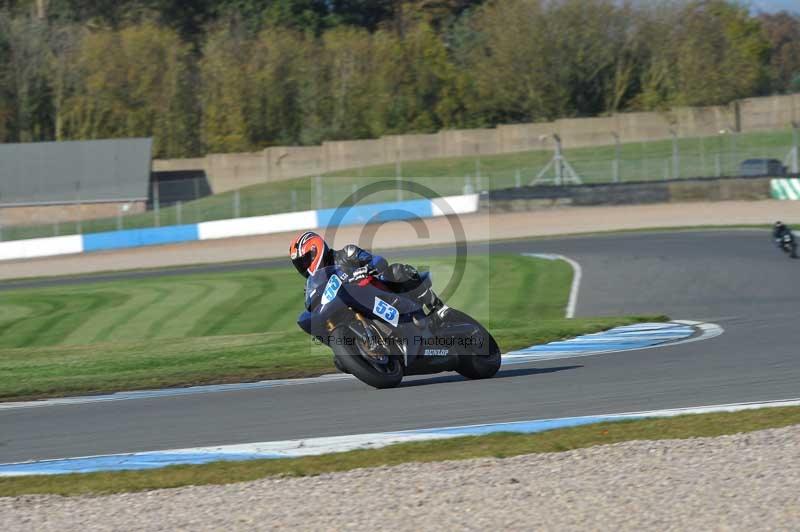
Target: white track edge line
577, 277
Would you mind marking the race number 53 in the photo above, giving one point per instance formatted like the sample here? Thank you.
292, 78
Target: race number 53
386, 312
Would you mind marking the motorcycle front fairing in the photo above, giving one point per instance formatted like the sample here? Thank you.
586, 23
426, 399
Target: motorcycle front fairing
324, 310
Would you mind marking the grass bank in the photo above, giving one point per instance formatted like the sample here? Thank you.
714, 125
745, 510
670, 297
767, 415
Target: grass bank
495, 445
237, 326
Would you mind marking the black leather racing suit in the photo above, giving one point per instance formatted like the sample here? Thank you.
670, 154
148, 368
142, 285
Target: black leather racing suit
779, 231
351, 258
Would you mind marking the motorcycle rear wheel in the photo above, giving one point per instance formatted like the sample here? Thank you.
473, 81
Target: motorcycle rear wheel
377, 375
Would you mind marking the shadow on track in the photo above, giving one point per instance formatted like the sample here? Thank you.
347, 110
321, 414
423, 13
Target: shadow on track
502, 374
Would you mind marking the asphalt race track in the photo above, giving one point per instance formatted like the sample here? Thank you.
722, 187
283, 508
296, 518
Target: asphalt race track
735, 278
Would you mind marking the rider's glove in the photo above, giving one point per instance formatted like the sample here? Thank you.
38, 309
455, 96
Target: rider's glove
360, 273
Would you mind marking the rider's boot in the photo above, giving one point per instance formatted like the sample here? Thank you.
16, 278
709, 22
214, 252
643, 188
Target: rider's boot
436, 306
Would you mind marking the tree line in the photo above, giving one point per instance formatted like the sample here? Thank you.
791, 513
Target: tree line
238, 75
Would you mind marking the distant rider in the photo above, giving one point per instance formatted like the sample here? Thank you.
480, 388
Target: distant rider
778, 232
309, 252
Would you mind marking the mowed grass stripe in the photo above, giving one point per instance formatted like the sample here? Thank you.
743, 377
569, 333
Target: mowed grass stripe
250, 293
12, 313
33, 309
55, 317
193, 320
120, 323
276, 303
172, 320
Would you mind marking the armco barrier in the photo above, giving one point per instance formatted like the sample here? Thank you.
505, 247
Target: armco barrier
785, 189
633, 193
258, 225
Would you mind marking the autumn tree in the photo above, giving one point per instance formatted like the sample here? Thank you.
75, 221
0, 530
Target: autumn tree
224, 90
134, 83
26, 106
709, 52
783, 32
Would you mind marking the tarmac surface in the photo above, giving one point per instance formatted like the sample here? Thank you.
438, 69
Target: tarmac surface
734, 278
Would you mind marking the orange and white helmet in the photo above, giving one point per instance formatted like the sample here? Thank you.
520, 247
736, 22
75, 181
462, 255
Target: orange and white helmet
308, 253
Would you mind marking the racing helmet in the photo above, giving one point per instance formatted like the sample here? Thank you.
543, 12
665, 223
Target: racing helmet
308, 253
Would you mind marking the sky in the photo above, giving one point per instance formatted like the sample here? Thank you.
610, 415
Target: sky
772, 6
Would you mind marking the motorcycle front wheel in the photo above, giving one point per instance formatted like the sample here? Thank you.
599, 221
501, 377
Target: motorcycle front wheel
477, 365
355, 358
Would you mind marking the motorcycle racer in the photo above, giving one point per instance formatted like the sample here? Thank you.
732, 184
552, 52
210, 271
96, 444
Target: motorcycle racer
309, 252
779, 231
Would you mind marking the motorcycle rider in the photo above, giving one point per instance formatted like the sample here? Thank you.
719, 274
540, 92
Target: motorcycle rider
309, 252
779, 231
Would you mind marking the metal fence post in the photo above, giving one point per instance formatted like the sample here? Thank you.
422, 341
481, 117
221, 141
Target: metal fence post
478, 160
319, 191
399, 188
703, 156
79, 221
156, 206
676, 157
468, 185
237, 204
179, 212
795, 147
398, 165
56, 229
643, 170
718, 165
732, 133
119, 218
617, 153
559, 158
518, 179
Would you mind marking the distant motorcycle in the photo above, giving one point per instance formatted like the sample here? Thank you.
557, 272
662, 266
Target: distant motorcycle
379, 334
788, 244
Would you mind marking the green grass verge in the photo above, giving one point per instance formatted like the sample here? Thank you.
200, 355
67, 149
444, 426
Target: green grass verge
239, 326
496, 445
640, 161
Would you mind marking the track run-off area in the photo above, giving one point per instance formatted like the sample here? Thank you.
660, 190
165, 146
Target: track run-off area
736, 279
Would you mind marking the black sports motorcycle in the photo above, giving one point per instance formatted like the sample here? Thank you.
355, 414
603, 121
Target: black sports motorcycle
379, 332
788, 244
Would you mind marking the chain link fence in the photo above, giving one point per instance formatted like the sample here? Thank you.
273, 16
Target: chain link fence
187, 201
